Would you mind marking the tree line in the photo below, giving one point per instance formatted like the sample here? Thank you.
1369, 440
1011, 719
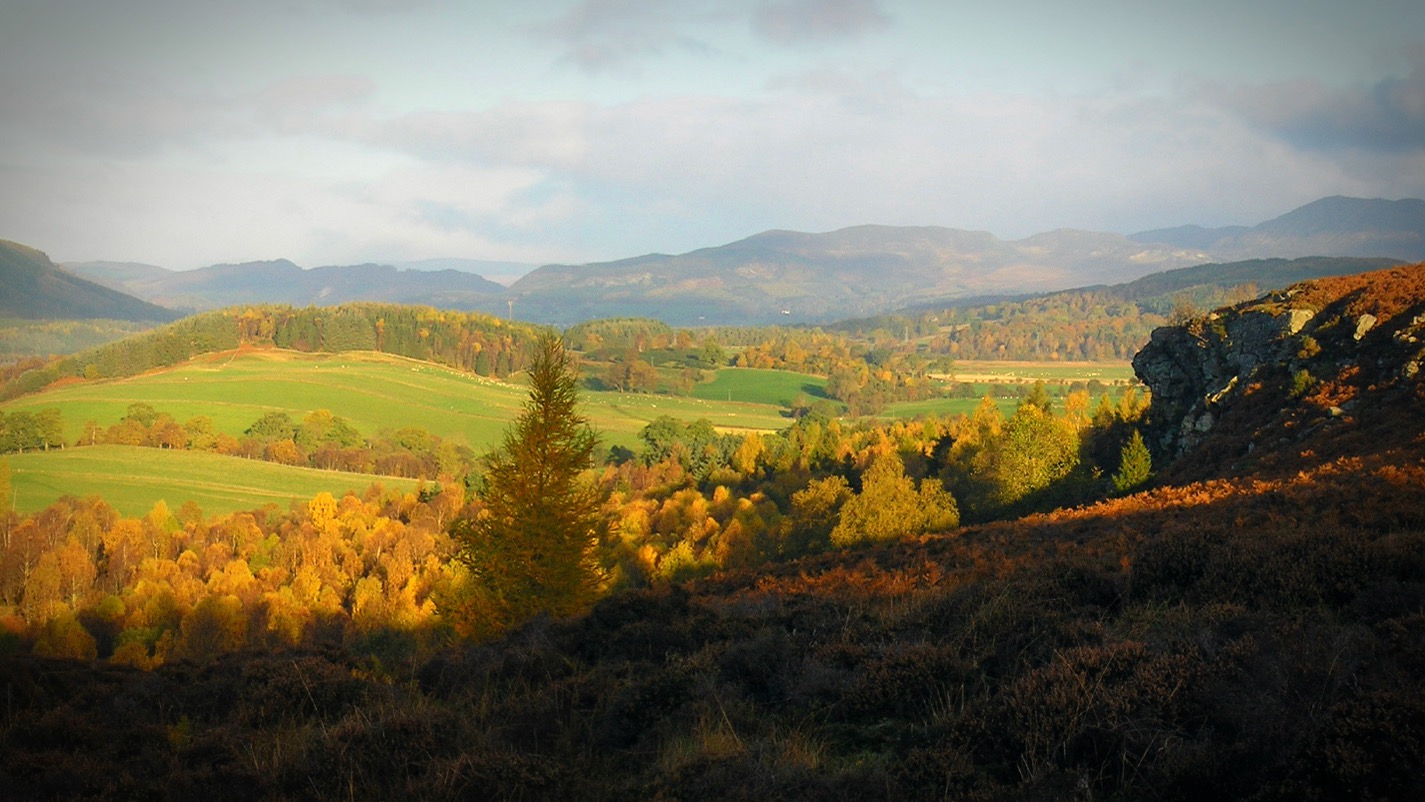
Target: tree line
31, 431
468, 341
319, 440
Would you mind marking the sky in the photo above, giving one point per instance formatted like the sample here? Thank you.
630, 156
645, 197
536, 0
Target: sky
197, 132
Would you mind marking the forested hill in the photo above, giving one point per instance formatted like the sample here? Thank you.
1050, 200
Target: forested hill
1097, 323
34, 288
470, 341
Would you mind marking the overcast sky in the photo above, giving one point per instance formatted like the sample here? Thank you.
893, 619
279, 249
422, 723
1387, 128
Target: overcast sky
189, 132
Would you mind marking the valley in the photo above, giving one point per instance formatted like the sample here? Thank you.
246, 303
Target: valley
377, 392
858, 561
1242, 621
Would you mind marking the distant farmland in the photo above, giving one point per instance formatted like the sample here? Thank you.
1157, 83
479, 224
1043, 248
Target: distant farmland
376, 392
372, 391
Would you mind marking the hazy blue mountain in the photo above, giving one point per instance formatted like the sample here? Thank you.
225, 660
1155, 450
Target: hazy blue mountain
1189, 236
503, 273
122, 276
281, 281
32, 287
1335, 226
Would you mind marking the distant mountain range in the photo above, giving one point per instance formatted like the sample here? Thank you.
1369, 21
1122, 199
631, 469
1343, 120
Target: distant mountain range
787, 276
34, 288
779, 275
283, 282
784, 275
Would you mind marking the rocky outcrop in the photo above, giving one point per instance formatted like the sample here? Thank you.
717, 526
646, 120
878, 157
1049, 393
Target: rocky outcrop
1323, 342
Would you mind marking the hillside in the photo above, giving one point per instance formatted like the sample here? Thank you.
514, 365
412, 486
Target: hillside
469, 341
372, 392
1253, 627
1335, 226
282, 282
34, 288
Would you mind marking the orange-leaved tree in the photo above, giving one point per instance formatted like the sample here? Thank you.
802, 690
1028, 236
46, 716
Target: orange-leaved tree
528, 550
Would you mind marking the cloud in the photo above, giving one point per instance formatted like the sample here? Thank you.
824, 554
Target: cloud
825, 149
119, 114
603, 35
798, 22
111, 113
1388, 116
294, 104
548, 134
717, 168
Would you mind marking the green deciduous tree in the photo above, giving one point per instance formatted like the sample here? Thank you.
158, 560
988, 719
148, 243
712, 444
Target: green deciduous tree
272, 426
527, 551
6, 497
1032, 451
890, 506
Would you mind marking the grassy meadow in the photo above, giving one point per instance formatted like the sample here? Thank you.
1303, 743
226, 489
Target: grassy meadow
778, 388
372, 391
132, 479
985, 375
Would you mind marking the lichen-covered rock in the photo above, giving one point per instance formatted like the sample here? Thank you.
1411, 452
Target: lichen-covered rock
1195, 369
1363, 331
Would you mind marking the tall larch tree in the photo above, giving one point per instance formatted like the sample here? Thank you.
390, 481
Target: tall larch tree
528, 551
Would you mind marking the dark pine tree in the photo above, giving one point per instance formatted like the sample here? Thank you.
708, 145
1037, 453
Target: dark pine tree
528, 550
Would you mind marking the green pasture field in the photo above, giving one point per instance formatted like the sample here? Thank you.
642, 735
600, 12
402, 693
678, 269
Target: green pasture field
760, 386
372, 391
619, 417
944, 407
132, 479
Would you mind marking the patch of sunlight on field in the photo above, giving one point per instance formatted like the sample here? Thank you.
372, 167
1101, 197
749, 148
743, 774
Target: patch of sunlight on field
133, 479
1004, 371
779, 388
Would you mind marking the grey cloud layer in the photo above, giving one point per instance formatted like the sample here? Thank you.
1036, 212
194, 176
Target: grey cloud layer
796, 22
599, 35
1388, 116
312, 155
